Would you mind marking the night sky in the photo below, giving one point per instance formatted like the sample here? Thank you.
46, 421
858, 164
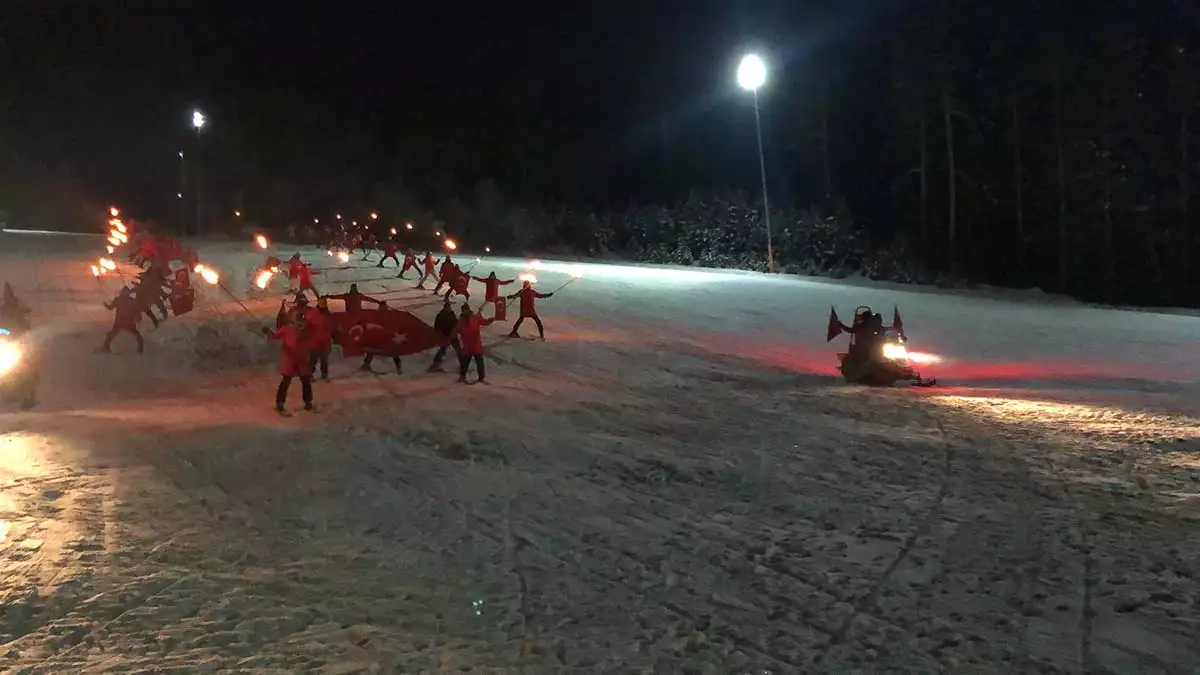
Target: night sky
314, 104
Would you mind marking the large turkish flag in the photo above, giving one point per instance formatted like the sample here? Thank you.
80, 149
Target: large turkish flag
384, 332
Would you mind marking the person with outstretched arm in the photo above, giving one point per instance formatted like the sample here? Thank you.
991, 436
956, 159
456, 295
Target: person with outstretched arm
528, 309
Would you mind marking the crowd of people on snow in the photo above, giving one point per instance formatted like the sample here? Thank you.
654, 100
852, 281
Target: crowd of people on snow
308, 330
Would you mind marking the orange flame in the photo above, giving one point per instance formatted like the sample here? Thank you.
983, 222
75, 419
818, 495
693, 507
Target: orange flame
451, 245
343, 257
528, 277
112, 211
262, 241
110, 249
107, 264
95, 271
263, 278
210, 275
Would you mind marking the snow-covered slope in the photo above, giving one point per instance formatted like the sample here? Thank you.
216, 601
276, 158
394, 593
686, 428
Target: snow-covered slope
674, 480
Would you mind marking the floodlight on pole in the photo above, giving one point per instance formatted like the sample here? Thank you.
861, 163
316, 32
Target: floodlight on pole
198, 122
751, 75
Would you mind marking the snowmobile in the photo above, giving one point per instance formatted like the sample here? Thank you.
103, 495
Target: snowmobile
18, 373
877, 355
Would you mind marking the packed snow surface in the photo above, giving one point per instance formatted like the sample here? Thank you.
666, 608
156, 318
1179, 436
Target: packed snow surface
673, 482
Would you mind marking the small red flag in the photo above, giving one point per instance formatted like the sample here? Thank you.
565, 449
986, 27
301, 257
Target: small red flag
501, 306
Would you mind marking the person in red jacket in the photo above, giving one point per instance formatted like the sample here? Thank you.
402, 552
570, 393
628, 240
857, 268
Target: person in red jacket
468, 330
320, 322
295, 264
390, 248
491, 286
304, 279
446, 274
294, 358
353, 299
459, 283
128, 311
430, 269
410, 261
528, 309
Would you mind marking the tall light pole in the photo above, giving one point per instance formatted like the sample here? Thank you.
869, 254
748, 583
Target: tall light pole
751, 75
198, 121
179, 195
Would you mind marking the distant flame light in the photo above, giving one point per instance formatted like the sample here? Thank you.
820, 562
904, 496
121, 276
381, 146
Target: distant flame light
95, 271
209, 275
113, 211
450, 245
437, 234
487, 249
408, 226
374, 216
262, 241
338, 216
110, 249
393, 230
113, 240
238, 214
329, 253
343, 257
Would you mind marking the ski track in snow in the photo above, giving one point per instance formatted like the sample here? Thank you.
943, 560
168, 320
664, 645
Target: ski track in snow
672, 482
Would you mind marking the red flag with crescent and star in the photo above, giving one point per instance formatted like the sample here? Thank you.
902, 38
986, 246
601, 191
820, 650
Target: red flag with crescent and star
384, 332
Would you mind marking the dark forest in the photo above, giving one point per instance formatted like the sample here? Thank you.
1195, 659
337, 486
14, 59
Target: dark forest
1025, 144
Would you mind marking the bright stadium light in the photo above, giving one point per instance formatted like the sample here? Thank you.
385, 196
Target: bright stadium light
198, 119
751, 73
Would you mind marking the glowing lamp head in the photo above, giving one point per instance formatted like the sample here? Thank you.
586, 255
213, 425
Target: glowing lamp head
894, 352
198, 119
10, 354
751, 72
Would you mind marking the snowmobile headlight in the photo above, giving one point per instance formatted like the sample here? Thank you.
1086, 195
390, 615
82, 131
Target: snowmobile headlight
894, 351
10, 356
